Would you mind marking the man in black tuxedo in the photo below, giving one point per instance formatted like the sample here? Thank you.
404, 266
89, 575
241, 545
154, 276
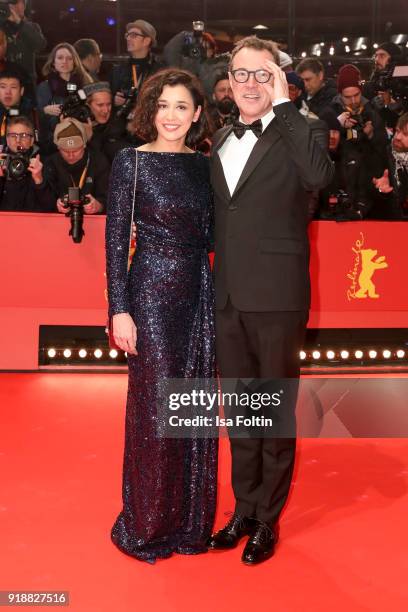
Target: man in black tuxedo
261, 169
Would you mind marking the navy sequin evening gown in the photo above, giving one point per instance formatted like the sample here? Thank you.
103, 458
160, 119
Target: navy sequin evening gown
169, 485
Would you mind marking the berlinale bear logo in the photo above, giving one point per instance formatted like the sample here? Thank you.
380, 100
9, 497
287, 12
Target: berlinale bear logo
365, 264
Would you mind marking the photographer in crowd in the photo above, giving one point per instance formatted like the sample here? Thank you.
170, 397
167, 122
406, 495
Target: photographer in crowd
196, 51
109, 131
22, 186
362, 144
222, 110
319, 90
296, 89
62, 69
90, 55
24, 38
393, 184
77, 165
12, 101
379, 87
7, 66
126, 79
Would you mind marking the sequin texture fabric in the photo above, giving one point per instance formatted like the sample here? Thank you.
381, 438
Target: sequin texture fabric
169, 485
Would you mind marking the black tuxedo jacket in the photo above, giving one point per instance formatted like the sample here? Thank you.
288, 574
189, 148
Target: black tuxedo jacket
261, 242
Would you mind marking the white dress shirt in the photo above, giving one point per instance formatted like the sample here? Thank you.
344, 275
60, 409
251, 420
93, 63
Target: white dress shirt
235, 152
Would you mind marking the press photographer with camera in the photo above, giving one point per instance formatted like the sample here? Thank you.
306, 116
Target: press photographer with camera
62, 70
362, 145
196, 51
22, 186
382, 89
77, 165
109, 133
393, 184
12, 101
126, 79
24, 38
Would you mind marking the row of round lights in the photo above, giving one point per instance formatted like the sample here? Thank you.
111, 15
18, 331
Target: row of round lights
82, 353
356, 354
347, 49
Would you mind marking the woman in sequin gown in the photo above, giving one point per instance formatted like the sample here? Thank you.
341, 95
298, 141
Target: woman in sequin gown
166, 300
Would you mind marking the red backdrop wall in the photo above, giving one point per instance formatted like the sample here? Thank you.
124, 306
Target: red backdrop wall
358, 274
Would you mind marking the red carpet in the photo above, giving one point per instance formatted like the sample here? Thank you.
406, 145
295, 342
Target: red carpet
344, 538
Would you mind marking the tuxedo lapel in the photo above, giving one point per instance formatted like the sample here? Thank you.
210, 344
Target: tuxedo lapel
220, 137
262, 146
218, 180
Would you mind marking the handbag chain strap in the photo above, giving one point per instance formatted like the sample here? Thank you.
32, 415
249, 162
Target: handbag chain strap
133, 211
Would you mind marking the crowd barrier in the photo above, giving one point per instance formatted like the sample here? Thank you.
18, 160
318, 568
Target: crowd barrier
357, 270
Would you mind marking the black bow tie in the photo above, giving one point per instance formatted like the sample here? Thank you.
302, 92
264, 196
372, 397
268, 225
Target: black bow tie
240, 128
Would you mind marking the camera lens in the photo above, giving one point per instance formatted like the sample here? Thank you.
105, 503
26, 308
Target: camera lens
18, 167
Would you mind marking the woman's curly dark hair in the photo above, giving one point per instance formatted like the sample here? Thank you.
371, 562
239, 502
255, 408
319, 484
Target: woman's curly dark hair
143, 124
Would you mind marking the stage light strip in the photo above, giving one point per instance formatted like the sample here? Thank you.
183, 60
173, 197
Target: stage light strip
310, 355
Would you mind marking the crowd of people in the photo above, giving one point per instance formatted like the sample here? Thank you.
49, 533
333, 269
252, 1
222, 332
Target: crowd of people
66, 129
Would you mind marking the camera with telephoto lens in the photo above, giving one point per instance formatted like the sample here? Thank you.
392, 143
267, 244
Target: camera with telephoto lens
16, 165
393, 79
75, 105
130, 96
74, 202
193, 46
5, 9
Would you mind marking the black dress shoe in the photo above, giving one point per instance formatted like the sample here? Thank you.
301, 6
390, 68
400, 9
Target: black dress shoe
230, 535
261, 544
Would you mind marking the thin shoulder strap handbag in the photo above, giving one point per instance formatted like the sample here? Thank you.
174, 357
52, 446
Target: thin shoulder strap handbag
109, 328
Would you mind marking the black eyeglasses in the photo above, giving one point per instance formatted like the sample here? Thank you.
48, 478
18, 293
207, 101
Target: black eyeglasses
241, 75
134, 35
22, 136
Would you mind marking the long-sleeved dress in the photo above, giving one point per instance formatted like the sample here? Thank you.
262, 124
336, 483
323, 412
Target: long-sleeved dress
169, 485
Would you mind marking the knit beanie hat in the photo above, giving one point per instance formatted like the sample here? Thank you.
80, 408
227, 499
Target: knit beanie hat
71, 134
294, 79
349, 76
98, 86
284, 60
393, 49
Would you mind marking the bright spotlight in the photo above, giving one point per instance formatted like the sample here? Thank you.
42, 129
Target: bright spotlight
51, 353
98, 353
67, 353
344, 354
82, 353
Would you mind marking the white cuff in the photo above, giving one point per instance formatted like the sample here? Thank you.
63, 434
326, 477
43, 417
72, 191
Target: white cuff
280, 101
